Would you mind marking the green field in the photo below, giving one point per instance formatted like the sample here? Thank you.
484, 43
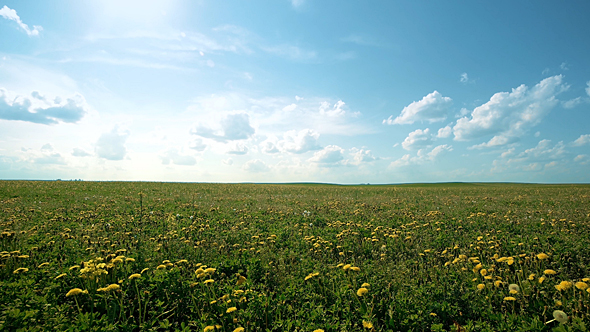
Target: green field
225, 257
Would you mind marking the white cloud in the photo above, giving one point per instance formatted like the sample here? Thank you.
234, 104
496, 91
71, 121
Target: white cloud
360, 156
10, 14
336, 110
299, 141
581, 141
198, 145
111, 145
509, 115
572, 102
432, 108
583, 159
238, 148
290, 108
422, 156
269, 145
331, 155
39, 109
255, 166
233, 127
80, 153
588, 88
564, 66
228, 161
464, 78
444, 132
417, 139
173, 156
544, 151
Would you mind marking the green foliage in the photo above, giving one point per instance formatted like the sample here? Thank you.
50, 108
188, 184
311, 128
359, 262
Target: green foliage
182, 257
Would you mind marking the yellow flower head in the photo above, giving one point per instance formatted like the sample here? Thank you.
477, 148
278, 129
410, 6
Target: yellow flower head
161, 267
581, 285
232, 309
210, 270
239, 329
362, 291
548, 272
318, 330
346, 267
564, 285
61, 275
366, 285
355, 268
209, 328
509, 298
483, 272
367, 324
208, 281
541, 280
498, 283
532, 276
112, 287
42, 265
74, 267
20, 270
142, 271
481, 286
74, 291
542, 256
134, 276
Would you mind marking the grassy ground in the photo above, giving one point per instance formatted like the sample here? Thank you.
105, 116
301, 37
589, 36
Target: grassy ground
174, 256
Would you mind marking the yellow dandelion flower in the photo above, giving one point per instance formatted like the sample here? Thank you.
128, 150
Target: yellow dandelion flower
241, 280
209, 328
346, 267
366, 285
510, 261
129, 259
239, 329
581, 285
74, 291
564, 285
532, 276
142, 271
208, 281
42, 265
340, 265
161, 267
355, 268
509, 298
548, 272
541, 280
481, 286
362, 291
367, 324
558, 303
542, 256
59, 276
74, 267
210, 270
113, 287
134, 276
318, 330
20, 270
483, 272
230, 310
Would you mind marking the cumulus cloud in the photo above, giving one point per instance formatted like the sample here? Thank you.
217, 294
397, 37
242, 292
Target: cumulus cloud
335, 110
255, 166
299, 141
48, 156
269, 145
444, 132
80, 153
38, 109
360, 156
237, 148
509, 115
581, 141
173, 156
422, 156
432, 108
10, 14
111, 145
544, 151
331, 155
233, 127
417, 139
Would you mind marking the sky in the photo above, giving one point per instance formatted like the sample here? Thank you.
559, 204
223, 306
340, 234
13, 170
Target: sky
295, 91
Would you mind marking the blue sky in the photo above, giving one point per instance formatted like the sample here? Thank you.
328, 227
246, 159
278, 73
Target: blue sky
301, 90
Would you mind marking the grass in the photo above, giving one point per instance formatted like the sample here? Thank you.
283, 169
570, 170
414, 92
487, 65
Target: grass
293, 257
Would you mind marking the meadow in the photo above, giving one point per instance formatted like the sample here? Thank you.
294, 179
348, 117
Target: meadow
122, 256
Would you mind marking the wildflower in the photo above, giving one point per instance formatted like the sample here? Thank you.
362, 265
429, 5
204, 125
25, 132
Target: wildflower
362, 291
112, 287
117, 261
160, 267
481, 286
509, 298
20, 269
241, 280
129, 259
318, 330
241, 329
564, 285
42, 265
549, 272
542, 256
532, 276
541, 280
61, 275
134, 276
210, 270
558, 303
368, 325
559, 316
355, 268
498, 283
581, 285
232, 309
74, 267
208, 281
483, 272
513, 288
209, 328
366, 285
142, 271
346, 267
74, 291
